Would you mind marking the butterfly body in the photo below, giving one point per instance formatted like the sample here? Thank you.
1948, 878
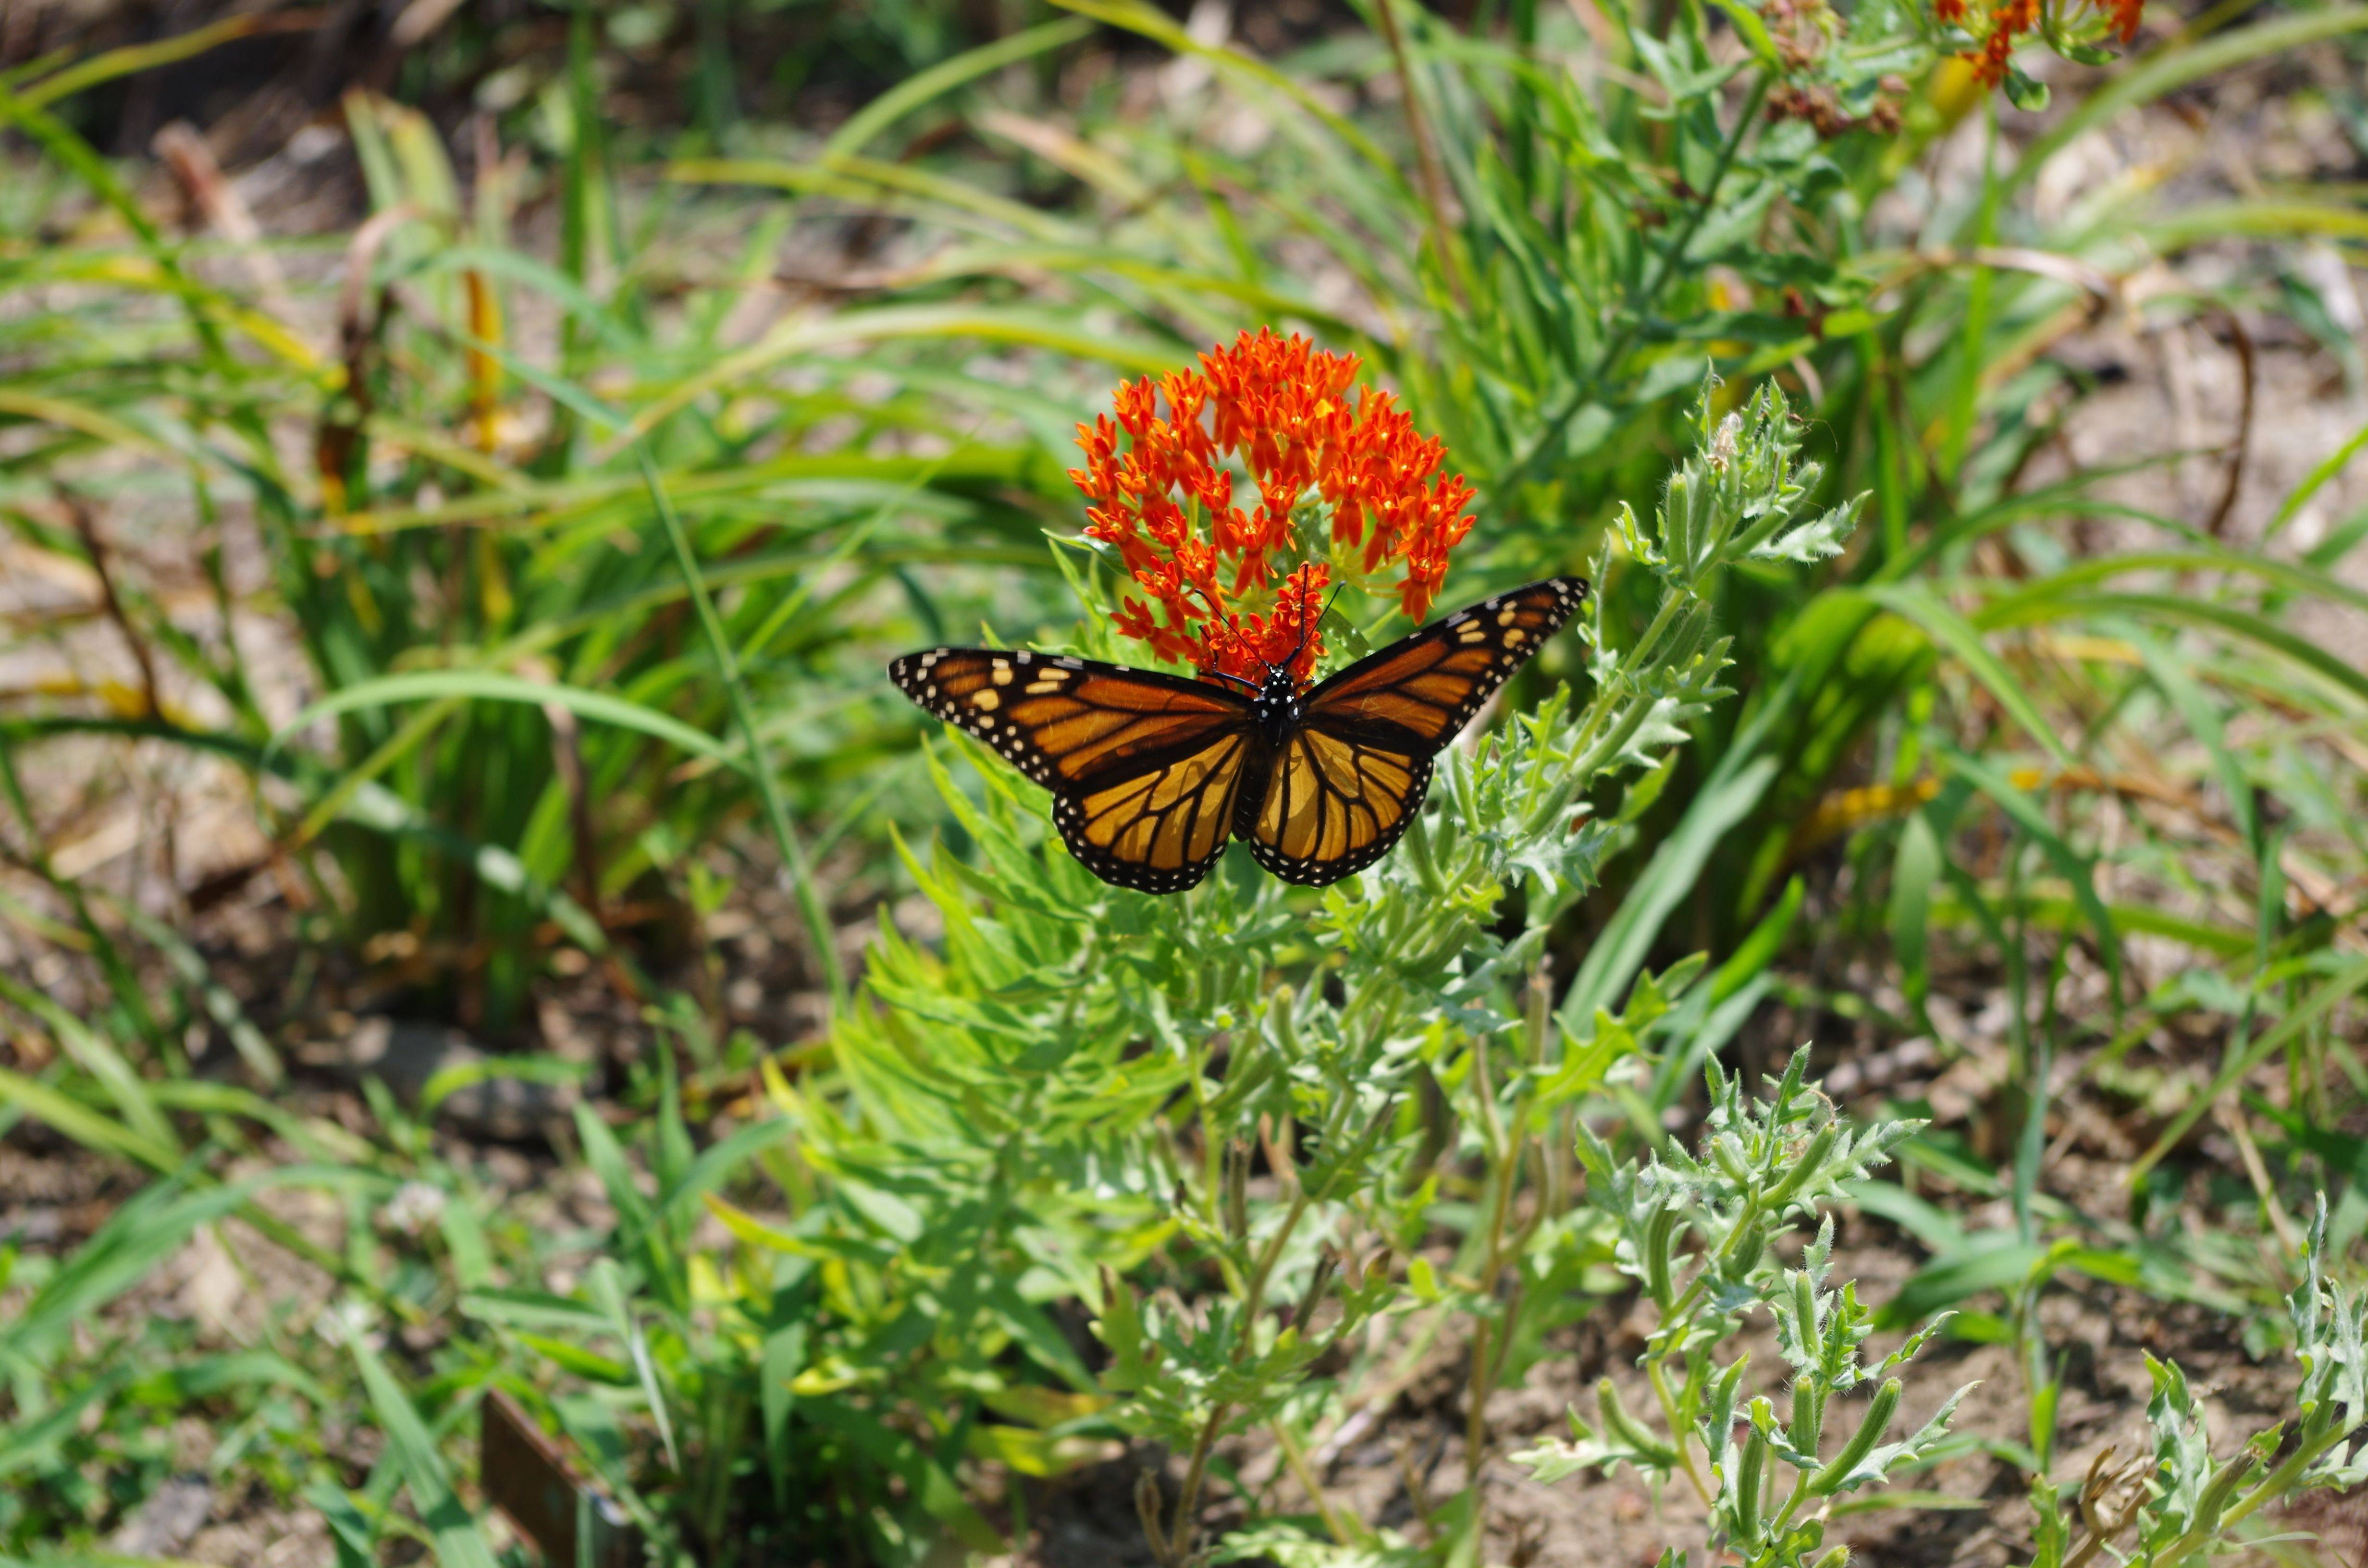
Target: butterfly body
1150, 772
1276, 710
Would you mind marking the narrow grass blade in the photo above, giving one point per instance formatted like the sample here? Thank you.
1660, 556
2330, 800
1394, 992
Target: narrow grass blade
2299, 498
2075, 867
1620, 951
458, 1542
2177, 64
2341, 985
1136, 15
30, 1096
2171, 609
943, 77
819, 930
144, 1134
136, 58
608, 1286
29, 1443
1917, 603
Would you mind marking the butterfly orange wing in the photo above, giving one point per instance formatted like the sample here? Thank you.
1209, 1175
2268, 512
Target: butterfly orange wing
1342, 791
1145, 768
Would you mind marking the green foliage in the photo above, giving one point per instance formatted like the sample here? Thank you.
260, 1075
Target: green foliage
485, 593
1070, 1083
1698, 1235
2185, 1504
588, 576
1074, 1073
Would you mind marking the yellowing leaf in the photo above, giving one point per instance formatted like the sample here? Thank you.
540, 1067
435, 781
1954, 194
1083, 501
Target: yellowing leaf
1033, 1453
828, 1377
755, 1232
1042, 1406
778, 1090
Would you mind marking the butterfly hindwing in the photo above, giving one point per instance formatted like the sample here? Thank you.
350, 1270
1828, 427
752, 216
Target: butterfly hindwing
1144, 767
1160, 829
1343, 790
1331, 807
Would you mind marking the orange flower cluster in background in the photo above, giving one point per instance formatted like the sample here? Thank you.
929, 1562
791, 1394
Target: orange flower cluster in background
1281, 411
2010, 20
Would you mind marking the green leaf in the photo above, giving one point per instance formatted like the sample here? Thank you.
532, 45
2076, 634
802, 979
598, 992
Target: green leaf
2076, 868
1915, 865
1620, 950
458, 1542
487, 686
2023, 91
1917, 603
448, 1081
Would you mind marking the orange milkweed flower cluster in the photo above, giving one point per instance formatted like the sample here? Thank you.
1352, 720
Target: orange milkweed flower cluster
2010, 20
1279, 411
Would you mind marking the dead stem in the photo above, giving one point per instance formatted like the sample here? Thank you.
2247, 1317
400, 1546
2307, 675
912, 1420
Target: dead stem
1434, 184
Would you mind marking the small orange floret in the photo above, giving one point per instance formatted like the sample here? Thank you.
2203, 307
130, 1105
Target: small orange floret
1284, 411
2012, 20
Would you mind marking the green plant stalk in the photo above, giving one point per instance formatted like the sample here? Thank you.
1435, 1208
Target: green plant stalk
1188, 1497
768, 789
1181, 1529
1539, 1025
2269, 1489
1673, 1413
1596, 751
1964, 397
1783, 1521
1434, 193
1510, 1143
1483, 1368
1345, 1531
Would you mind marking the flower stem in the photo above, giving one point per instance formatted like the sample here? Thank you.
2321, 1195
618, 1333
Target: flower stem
1426, 156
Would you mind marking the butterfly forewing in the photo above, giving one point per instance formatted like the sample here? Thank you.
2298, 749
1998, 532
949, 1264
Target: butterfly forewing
1149, 772
1432, 684
1342, 792
1063, 721
1144, 767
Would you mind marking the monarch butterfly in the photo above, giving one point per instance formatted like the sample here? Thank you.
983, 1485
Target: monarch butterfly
1149, 772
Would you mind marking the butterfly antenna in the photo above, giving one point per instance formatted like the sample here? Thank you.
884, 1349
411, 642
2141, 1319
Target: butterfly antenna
1301, 645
